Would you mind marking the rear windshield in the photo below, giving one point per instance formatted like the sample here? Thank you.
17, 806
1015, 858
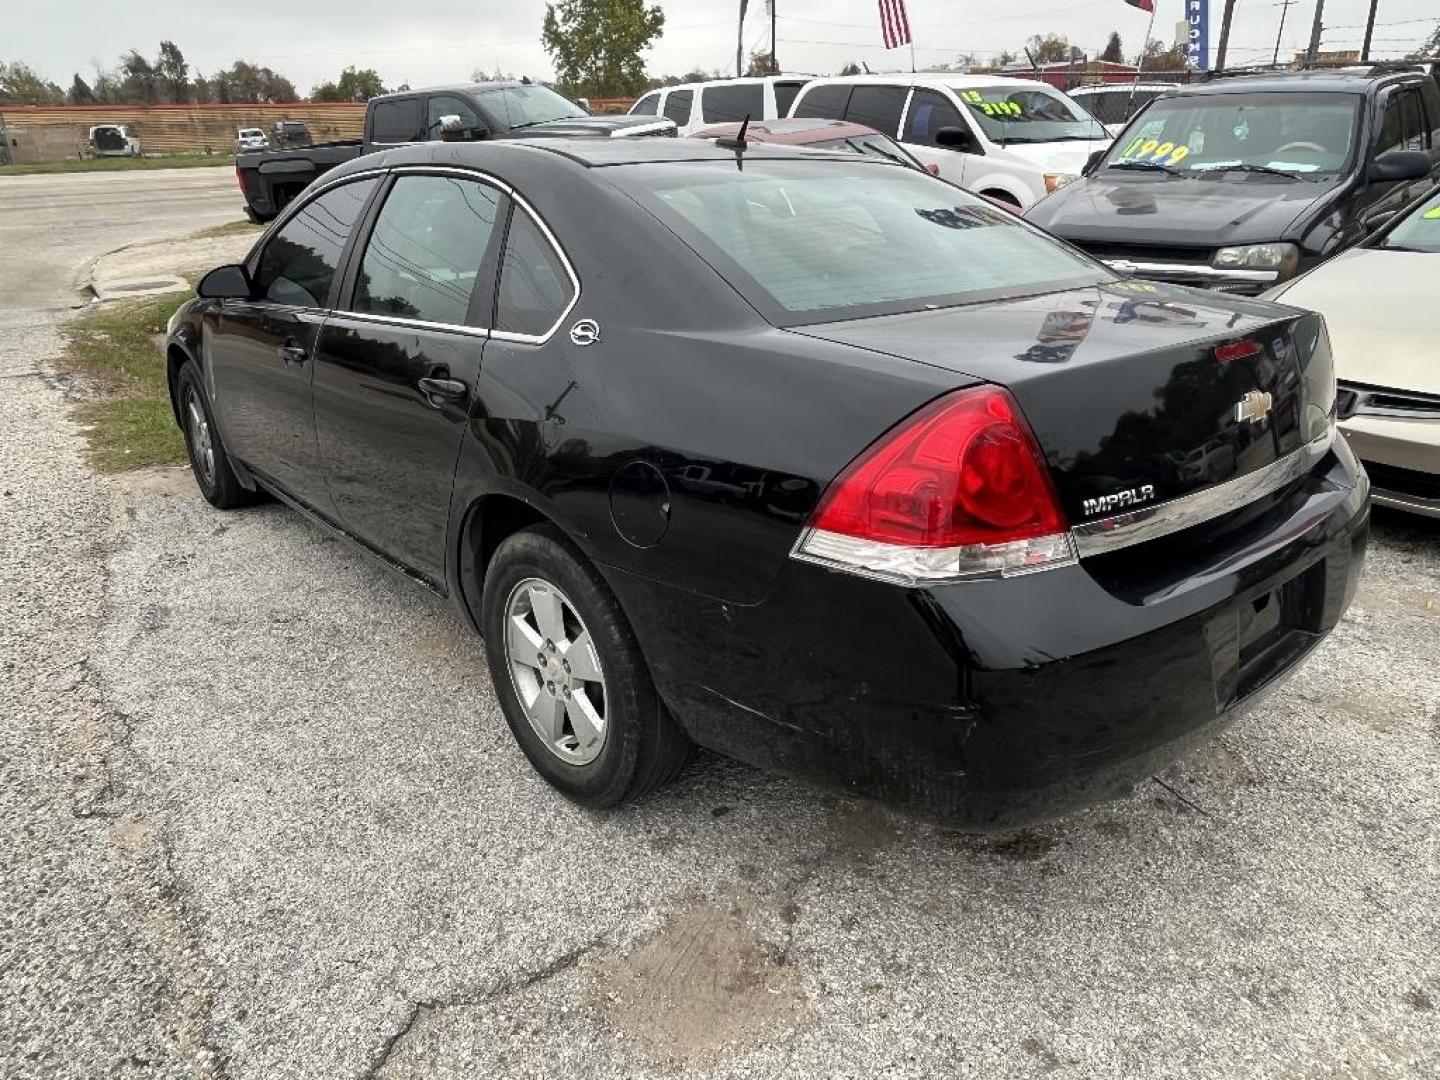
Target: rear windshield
813, 241
1286, 133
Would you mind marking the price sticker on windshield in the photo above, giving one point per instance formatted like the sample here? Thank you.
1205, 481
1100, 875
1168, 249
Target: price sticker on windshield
1153, 149
1433, 214
991, 108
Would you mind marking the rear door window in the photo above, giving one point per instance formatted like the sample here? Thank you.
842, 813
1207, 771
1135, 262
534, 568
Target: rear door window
824, 102
535, 287
930, 111
1430, 100
646, 105
878, 107
396, 121
297, 267
677, 106
424, 255
726, 104
785, 96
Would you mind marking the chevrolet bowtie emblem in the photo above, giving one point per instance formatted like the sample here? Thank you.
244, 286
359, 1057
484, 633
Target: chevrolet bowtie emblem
1253, 407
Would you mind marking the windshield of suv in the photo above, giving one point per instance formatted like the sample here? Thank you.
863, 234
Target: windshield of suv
1419, 231
525, 106
1028, 113
1285, 133
813, 241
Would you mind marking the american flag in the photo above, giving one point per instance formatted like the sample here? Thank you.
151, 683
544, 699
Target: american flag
1143, 5
894, 23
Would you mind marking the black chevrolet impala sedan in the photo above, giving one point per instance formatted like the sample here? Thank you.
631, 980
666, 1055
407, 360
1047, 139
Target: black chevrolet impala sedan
810, 459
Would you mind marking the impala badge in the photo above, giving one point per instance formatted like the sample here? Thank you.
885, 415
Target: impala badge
1253, 407
1120, 499
585, 332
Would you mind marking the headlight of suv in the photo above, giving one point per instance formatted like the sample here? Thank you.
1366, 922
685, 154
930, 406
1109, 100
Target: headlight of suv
1284, 259
1056, 180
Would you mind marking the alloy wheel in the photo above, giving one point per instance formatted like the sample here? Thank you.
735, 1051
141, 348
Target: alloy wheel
555, 670
201, 446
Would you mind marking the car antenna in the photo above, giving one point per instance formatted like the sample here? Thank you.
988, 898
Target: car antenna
737, 142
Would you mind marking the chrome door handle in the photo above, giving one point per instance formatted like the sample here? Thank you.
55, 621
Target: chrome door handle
293, 354
440, 390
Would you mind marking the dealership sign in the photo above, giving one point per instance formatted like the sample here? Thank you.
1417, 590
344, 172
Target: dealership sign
1197, 41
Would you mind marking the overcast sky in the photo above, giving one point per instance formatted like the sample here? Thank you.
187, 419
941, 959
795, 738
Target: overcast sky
439, 41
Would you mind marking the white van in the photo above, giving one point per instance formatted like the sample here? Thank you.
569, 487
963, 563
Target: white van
1013, 139
696, 105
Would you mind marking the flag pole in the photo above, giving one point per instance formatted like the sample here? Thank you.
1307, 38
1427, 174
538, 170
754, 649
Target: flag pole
1145, 48
912, 52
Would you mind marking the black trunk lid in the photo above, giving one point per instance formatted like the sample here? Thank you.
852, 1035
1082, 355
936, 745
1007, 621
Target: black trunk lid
1138, 392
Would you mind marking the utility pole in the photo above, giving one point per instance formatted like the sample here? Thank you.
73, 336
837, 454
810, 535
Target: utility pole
1369, 29
1319, 24
1284, 6
774, 52
1224, 35
740, 42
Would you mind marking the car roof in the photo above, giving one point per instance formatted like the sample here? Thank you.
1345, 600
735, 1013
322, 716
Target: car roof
1351, 82
795, 131
743, 80
1120, 88
457, 88
951, 79
519, 154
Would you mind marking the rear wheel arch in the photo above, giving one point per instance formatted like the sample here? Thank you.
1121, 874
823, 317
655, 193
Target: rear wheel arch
487, 522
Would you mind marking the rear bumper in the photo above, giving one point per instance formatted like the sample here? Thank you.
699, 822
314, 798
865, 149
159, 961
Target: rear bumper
990, 703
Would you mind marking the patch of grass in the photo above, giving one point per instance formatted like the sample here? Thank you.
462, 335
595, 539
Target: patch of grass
121, 164
230, 228
128, 420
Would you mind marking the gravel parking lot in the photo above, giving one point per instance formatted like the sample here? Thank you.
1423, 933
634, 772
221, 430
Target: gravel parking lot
263, 819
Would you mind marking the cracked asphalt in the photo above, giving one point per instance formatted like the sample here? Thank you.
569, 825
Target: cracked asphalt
262, 819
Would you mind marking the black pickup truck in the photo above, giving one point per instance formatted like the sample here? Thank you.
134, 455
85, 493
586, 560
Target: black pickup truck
495, 110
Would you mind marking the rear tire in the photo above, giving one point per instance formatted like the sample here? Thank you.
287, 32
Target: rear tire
571, 679
208, 462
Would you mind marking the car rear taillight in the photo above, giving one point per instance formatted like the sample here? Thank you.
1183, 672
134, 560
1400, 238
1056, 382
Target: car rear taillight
957, 490
240, 179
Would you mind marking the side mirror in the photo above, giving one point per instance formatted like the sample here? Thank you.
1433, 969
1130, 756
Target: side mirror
584, 103
225, 283
1396, 165
1093, 162
956, 138
451, 125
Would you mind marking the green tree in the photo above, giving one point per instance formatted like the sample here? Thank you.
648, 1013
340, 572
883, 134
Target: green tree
1049, 48
762, 63
172, 73
248, 84
139, 83
351, 86
596, 45
21, 85
80, 92
1159, 57
1429, 48
1114, 52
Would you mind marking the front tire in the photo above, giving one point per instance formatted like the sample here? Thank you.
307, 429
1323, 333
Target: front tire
208, 462
571, 679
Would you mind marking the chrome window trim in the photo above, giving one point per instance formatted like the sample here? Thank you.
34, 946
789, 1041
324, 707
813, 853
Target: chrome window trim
521, 202
409, 324
1151, 522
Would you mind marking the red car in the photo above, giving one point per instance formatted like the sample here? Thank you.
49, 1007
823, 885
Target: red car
820, 134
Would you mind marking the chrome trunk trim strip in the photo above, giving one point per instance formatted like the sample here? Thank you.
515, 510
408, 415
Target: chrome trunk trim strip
1151, 522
